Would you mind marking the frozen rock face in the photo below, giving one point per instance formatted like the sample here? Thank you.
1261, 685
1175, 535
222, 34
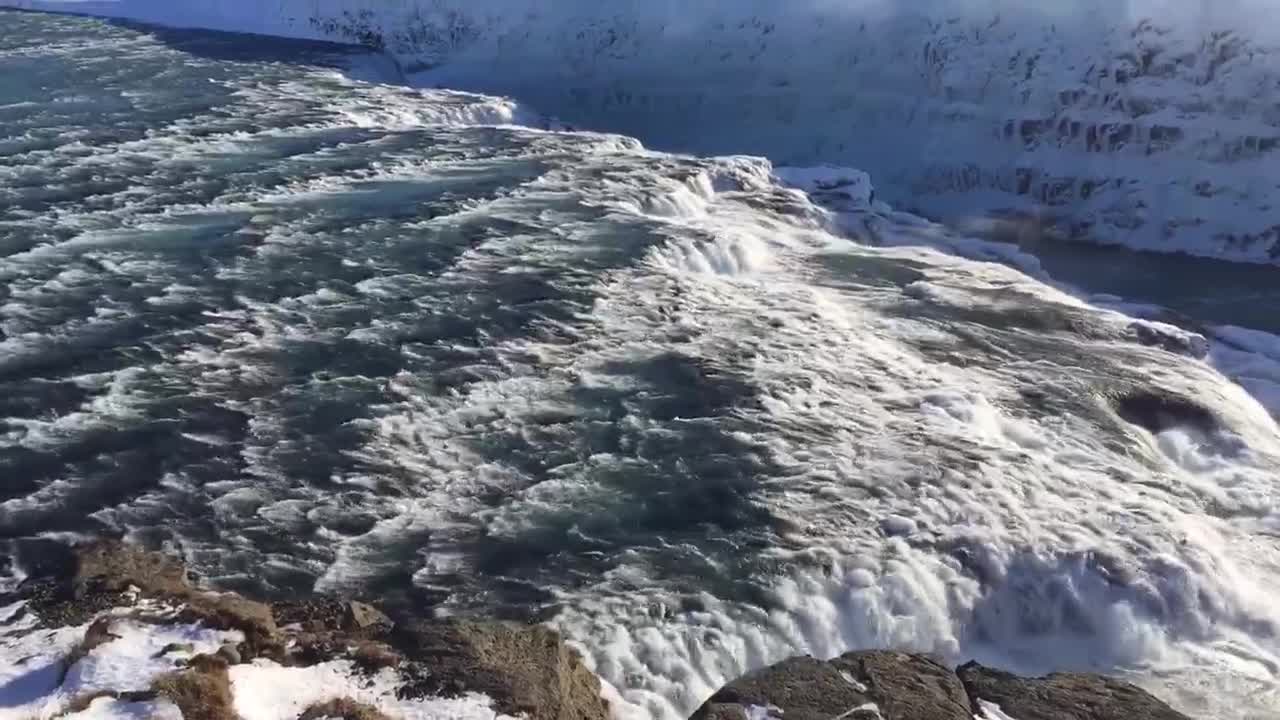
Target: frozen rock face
1147, 123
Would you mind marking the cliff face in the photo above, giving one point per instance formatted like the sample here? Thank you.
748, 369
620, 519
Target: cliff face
1146, 123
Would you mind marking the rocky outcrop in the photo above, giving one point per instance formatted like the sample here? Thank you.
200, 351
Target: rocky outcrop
527, 670
1063, 696
885, 685
859, 685
78, 584
97, 589
100, 589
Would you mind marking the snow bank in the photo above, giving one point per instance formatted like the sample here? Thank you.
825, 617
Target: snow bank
1252, 359
1150, 123
41, 675
46, 673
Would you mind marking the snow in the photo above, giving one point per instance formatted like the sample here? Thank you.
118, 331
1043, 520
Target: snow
108, 708
990, 711
857, 685
140, 653
1254, 341
846, 183
265, 690
33, 683
30, 668
1252, 359
763, 712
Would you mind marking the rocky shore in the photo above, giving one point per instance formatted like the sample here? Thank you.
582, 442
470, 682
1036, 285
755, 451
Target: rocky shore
106, 630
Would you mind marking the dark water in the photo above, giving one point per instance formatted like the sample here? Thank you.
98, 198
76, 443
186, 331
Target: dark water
314, 332
1209, 291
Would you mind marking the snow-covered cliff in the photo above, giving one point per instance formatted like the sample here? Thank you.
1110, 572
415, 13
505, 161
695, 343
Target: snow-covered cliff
1152, 123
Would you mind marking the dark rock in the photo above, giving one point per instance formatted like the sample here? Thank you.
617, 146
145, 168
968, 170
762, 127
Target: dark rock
900, 686
176, 648
342, 709
1063, 696
524, 668
230, 654
363, 617
1169, 338
374, 656
1157, 411
312, 613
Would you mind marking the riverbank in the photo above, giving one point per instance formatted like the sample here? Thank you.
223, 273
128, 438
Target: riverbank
107, 630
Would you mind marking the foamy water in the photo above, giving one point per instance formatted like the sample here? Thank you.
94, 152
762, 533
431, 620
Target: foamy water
314, 332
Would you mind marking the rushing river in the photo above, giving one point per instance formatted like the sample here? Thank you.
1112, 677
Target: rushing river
320, 333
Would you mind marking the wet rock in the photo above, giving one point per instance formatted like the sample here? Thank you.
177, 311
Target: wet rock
342, 709
894, 685
229, 653
1063, 696
524, 668
886, 685
1169, 337
363, 617
1158, 411
175, 648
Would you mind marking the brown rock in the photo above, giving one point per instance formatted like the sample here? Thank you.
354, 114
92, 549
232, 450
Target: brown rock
70, 586
1063, 696
201, 692
524, 668
225, 611
374, 656
909, 686
98, 576
98, 633
360, 616
342, 709
901, 686
175, 648
229, 653
110, 565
